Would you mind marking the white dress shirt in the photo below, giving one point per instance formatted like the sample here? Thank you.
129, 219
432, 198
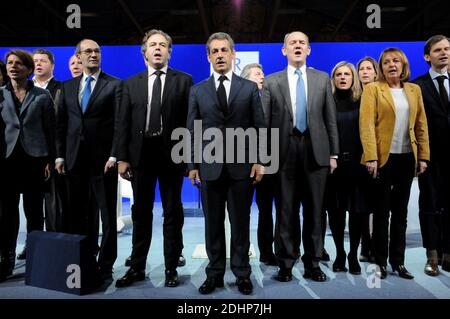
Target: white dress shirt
401, 142
434, 75
39, 85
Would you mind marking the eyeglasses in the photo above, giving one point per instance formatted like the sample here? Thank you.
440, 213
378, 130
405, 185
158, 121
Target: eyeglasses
90, 51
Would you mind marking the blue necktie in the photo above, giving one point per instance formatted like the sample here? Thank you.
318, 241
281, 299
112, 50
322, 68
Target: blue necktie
86, 94
301, 122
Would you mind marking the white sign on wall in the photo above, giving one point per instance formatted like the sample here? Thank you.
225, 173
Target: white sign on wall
242, 59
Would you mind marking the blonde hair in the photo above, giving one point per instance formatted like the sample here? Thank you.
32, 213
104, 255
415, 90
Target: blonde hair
406, 72
356, 84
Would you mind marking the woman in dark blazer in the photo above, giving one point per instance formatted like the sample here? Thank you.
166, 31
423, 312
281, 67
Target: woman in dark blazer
28, 138
394, 136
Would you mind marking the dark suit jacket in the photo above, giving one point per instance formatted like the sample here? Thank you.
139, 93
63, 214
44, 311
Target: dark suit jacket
134, 113
321, 113
245, 111
437, 118
34, 127
97, 127
53, 86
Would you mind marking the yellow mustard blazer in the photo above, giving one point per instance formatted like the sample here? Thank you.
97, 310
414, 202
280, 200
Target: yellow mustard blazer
377, 121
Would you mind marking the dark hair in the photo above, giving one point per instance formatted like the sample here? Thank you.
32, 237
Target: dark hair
147, 36
24, 56
432, 41
49, 54
3, 72
220, 36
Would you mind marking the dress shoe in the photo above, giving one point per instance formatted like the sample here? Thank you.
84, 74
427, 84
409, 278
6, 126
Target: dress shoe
431, 268
446, 262
284, 275
268, 260
181, 261
245, 286
23, 254
315, 274
381, 272
130, 277
128, 262
353, 265
172, 279
402, 271
7, 263
325, 256
210, 284
339, 263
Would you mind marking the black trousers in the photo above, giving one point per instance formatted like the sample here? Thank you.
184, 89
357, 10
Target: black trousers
23, 174
236, 195
93, 194
265, 195
434, 205
56, 203
155, 167
392, 189
300, 181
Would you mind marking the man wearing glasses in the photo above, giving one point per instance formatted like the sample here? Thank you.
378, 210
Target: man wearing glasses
86, 132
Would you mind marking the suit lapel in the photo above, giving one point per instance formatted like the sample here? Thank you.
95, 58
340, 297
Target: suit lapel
283, 84
101, 82
236, 85
9, 102
142, 91
386, 93
310, 79
434, 92
27, 101
211, 89
412, 101
168, 85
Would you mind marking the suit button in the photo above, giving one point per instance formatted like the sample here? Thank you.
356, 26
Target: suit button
141, 132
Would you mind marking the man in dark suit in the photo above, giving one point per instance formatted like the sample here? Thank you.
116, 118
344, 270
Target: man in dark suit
155, 102
225, 101
86, 149
300, 104
434, 184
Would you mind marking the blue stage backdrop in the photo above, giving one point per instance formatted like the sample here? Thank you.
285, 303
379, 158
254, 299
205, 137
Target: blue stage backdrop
124, 61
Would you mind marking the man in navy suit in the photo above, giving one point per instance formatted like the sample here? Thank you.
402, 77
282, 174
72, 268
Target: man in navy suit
86, 149
225, 101
434, 184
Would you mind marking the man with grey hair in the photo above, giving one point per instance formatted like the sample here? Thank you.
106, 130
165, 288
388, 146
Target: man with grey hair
298, 100
155, 102
225, 100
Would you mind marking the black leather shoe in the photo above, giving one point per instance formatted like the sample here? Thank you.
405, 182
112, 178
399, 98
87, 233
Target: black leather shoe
172, 279
23, 254
325, 256
128, 262
210, 284
445, 263
245, 286
181, 261
381, 272
7, 263
284, 275
130, 277
353, 265
315, 274
402, 271
339, 264
268, 260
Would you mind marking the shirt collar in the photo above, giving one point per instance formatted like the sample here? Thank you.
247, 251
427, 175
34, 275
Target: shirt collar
94, 76
35, 81
229, 75
435, 74
291, 69
152, 70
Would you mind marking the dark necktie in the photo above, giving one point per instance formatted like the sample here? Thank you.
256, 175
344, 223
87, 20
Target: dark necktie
222, 95
443, 92
154, 126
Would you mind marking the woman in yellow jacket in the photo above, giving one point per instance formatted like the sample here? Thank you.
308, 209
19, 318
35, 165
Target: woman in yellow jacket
394, 136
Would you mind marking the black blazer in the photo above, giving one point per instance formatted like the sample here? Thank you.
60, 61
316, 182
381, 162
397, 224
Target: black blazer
245, 111
437, 118
134, 113
53, 86
97, 127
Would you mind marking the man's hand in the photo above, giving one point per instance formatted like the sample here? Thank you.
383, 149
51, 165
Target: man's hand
109, 166
125, 171
372, 168
333, 165
257, 172
60, 168
47, 172
194, 176
422, 167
